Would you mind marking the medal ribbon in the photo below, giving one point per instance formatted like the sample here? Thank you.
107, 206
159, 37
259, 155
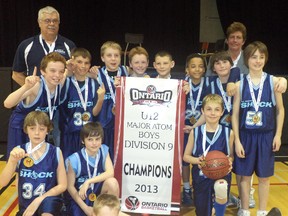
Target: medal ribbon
224, 96
194, 105
109, 80
51, 112
205, 150
95, 168
51, 47
256, 103
29, 147
83, 102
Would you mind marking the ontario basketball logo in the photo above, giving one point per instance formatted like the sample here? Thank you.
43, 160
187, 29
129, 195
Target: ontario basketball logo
150, 96
132, 203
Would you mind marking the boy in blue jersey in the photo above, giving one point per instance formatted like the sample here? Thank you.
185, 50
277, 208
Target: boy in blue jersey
111, 56
257, 121
221, 64
40, 169
198, 88
81, 99
90, 171
38, 93
210, 196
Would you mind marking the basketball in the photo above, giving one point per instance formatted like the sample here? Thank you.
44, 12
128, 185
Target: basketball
215, 165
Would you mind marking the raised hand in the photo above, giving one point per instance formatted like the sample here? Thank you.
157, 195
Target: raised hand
71, 66
93, 72
31, 81
101, 92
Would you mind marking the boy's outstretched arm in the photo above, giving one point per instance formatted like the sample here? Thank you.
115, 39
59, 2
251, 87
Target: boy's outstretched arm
23, 92
239, 150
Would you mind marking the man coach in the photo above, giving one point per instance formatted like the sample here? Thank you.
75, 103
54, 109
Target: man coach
30, 51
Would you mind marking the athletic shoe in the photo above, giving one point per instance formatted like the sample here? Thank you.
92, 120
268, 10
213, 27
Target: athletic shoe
242, 212
261, 213
274, 212
233, 201
187, 197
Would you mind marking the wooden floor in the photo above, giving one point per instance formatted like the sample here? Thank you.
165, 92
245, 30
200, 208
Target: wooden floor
277, 198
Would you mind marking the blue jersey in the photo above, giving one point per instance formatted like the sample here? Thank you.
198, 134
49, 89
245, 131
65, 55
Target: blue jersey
106, 117
78, 163
38, 179
30, 53
267, 109
71, 109
206, 89
16, 121
225, 120
203, 186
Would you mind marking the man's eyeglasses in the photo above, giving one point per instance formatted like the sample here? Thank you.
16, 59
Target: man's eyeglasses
48, 21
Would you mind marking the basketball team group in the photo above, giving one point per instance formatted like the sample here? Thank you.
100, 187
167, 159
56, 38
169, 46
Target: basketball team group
61, 130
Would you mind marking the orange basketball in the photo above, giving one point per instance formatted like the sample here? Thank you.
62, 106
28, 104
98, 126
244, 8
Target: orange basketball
215, 165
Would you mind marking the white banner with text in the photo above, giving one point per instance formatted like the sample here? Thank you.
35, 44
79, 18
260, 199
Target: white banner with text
149, 122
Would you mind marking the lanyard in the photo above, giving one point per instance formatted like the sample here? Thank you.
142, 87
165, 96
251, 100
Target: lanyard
50, 47
83, 102
194, 105
51, 111
109, 80
256, 103
29, 147
95, 167
205, 150
224, 96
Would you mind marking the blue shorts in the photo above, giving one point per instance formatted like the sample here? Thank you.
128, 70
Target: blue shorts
51, 204
259, 154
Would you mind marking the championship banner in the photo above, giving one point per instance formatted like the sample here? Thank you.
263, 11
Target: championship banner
149, 123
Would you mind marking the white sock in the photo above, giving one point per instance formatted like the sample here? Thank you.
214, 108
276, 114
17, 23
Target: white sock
186, 185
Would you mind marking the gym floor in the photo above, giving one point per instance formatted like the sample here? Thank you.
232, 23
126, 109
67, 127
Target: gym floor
277, 197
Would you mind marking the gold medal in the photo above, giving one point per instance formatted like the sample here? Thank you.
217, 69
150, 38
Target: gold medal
28, 162
228, 118
193, 120
85, 116
92, 197
256, 119
113, 109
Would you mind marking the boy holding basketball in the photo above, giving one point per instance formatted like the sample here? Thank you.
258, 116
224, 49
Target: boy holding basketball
205, 138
